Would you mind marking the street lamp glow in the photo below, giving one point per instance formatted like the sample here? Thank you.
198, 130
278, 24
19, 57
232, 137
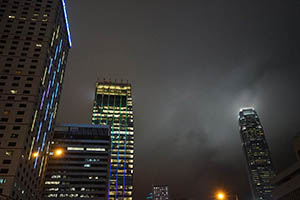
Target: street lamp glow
220, 195
58, 152
35, 154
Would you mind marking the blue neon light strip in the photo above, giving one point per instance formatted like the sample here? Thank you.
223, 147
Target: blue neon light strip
53, 79
46, 114
57, 86
50, 65
60, 45
39, 132
50, 122
48, 89
56, 51
35, 162
52, 98
43, 98
44, 138
58, 66
67, 22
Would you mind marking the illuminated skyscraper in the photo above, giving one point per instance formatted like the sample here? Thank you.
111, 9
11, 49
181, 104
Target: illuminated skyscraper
259, 163
160, 192
113, 107
78, 163
34, 45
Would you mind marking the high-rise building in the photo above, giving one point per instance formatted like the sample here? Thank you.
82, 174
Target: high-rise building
113, 107
160, 192
257, 154
78, 163
34, 45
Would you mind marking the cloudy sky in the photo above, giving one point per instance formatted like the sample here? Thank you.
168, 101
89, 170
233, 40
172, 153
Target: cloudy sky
193, 65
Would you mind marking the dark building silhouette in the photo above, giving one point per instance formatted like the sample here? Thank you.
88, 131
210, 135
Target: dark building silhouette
257, 154
78, 163
287, 182
34, 46
113, 107
296, 144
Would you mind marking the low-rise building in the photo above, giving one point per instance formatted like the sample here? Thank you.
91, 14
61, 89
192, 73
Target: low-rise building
78, 163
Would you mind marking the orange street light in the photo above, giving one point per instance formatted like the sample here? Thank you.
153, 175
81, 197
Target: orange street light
35, 154
58, 152
220, 195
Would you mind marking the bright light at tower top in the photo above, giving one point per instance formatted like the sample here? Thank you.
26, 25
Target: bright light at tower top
246, 108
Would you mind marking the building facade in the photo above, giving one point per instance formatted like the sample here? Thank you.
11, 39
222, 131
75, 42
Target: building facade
160, 192
287, 182
78, 163
257, 154
34, 45
296, 144
113, 107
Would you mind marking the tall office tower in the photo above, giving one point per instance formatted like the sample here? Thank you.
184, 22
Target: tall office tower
160, 192
113, 107
34, 45
259, 163
78, 163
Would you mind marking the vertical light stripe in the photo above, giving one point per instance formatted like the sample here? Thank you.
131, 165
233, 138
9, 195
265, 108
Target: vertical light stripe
118, 147
125, 142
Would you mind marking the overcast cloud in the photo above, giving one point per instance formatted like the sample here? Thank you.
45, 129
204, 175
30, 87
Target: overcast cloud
193, 65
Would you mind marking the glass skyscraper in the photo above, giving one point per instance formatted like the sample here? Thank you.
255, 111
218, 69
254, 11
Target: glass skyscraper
78, 163
113, 107
257, 154
34, 45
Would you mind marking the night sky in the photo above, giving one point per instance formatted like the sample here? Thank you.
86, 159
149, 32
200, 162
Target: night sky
193, 65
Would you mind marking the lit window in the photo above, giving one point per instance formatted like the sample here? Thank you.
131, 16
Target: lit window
75, 148
52, 189
9, 153
13, 91
2, 180
5, 112
55, 176
87, 165
52, 182
95, 149
52, 195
